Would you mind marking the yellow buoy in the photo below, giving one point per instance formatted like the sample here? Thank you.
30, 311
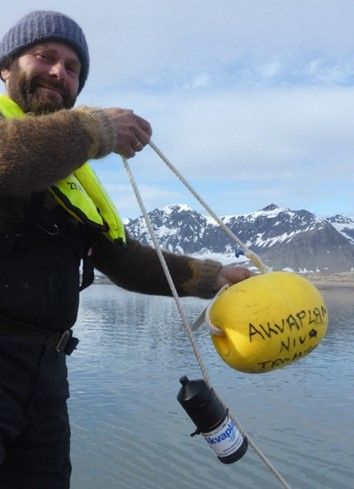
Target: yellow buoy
267, 321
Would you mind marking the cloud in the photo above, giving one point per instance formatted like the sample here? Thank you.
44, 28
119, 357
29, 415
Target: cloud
330, 72
149, 42
247, 97
198, 43
261, 130
294, 146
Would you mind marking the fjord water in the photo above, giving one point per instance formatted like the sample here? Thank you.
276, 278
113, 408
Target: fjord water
129, 432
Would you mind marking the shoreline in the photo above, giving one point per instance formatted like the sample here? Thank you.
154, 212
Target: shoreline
320, 279
327, 280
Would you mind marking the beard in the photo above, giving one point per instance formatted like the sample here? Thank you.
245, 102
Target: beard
25, 91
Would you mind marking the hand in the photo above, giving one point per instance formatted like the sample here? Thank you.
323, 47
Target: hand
132, 132
230, 274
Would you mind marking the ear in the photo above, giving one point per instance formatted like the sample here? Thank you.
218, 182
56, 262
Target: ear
5, 74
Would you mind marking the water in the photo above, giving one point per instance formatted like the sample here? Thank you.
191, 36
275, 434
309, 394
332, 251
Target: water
129, 432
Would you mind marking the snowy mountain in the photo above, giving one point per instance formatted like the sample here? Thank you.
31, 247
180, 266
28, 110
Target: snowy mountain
344, 225
284, 238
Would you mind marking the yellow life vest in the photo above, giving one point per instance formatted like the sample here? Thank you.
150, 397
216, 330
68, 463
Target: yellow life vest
81, 193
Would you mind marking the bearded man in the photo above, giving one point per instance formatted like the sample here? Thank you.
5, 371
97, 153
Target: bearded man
48, 226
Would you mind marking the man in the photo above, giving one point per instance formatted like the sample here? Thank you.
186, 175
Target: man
45, 234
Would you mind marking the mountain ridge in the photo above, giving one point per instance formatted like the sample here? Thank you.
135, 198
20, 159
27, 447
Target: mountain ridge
284, 238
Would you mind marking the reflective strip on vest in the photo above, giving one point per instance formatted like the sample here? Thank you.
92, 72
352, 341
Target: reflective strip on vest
81, 194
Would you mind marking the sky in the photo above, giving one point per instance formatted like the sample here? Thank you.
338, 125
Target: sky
251, 100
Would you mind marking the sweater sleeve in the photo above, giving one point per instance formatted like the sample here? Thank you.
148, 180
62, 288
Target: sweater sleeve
37, 151
137, 268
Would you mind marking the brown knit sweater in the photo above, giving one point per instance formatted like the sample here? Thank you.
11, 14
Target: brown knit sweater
37, 151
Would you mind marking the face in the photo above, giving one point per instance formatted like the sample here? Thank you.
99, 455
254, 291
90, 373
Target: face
44, 78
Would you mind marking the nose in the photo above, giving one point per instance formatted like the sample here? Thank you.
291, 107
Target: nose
57, 70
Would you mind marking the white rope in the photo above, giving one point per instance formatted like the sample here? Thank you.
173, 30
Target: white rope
255, 259
185, 323
167, 272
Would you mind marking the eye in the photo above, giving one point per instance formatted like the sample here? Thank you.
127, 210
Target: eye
43, 57
73, 69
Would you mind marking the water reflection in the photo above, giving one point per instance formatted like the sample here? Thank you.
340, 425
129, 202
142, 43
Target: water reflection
129, 431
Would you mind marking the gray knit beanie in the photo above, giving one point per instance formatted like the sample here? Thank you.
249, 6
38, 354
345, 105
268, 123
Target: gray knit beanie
40, 26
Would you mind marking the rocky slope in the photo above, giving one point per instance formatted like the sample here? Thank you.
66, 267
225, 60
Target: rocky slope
284, 238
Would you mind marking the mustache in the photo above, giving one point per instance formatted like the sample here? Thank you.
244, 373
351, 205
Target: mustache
56, 85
